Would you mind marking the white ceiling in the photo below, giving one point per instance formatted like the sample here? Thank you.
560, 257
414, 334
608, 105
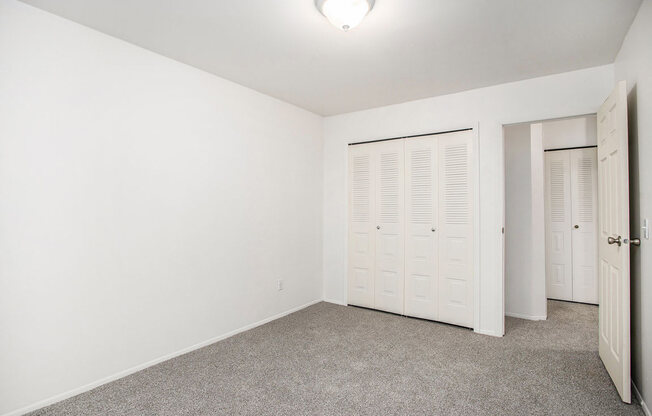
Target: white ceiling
404, 50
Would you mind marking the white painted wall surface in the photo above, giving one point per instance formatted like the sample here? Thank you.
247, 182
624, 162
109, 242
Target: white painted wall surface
561, 95
518, 217
634, 64
539, 305
570, 132
525, 279
146, 206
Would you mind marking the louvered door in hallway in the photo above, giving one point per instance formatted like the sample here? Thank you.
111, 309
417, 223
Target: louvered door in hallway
571, 225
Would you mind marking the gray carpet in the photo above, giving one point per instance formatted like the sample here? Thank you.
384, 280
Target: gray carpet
336, 360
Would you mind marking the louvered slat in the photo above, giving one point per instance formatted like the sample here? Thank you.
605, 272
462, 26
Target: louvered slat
456, 184
584, 199
389, 188
421, 186
558, 172
360, 188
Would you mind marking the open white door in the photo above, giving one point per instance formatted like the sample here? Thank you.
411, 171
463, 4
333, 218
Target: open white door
613, 240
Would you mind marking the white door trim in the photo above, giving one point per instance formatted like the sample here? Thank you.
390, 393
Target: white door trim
476, 229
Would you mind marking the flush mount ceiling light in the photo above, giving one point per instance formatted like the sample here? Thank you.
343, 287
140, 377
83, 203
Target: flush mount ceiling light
345, 14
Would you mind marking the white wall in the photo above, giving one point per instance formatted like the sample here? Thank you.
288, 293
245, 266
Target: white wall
573, 93
518, 221
146, 206
570, 132
539, 305
634, 64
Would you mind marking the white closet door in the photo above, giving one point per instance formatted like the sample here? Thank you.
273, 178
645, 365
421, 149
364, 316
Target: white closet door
456, 228
559, 268
362, 227
390, 226
584, 194
421, 278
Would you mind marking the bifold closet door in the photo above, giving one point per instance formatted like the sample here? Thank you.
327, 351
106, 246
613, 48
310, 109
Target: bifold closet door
584, 202
571, 225
455, 222
362, 227
390, 225
559, 267
421, 245
411, 227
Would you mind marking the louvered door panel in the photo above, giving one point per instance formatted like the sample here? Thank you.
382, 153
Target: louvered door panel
390, 226
584, 196
455, 263
559, 268
421, 278
362, 229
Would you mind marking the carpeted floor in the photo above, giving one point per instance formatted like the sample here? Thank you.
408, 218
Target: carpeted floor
336, 360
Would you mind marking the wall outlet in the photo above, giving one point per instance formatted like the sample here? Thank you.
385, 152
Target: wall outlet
279, 284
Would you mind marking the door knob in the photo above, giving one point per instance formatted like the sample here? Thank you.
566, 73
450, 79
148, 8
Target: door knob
635, 241
612, 240
576, 226
378, 227
433, 229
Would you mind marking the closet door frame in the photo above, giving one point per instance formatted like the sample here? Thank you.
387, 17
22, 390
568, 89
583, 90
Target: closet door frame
475, 160
581, 234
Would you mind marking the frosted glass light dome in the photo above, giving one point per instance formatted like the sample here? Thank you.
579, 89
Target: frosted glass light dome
345, 14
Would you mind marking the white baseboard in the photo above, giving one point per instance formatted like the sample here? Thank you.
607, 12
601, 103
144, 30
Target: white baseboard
638, 396
337, 302
528, 317
124, 373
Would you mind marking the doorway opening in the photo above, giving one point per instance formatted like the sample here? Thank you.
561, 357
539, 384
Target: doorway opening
552, 177
550, 215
